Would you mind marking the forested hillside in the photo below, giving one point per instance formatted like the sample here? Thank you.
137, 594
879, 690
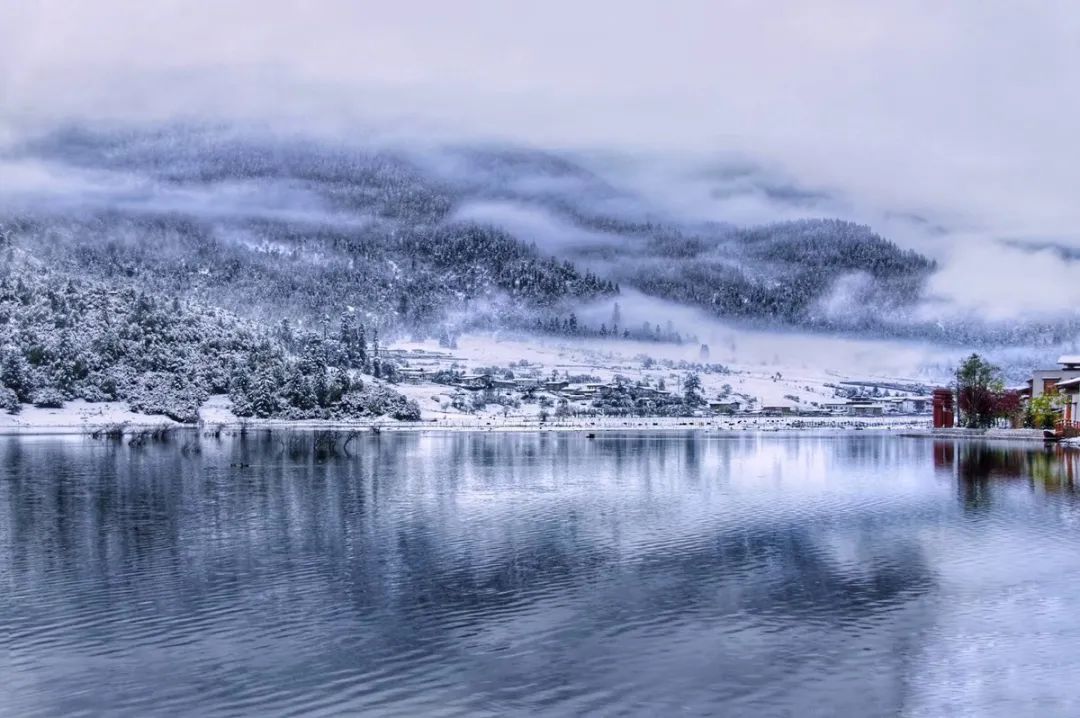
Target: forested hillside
421, 240
265, 269
826, 273
63, 338
267, 226
271, 227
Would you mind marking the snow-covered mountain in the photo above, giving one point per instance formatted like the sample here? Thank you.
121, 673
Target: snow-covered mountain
243, 261
415, 238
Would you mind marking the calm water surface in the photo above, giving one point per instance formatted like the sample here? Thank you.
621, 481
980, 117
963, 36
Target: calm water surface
485, 574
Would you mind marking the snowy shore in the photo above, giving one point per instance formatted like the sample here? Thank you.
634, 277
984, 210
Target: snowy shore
1035, 435
82, 418
79, 417
755, 375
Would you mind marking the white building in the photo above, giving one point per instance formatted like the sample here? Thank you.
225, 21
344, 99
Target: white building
1070, 390
1045, 381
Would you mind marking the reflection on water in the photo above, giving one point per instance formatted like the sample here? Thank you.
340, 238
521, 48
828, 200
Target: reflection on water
537, 573
978, 466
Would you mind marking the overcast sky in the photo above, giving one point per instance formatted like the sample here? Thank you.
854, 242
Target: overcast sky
963, 112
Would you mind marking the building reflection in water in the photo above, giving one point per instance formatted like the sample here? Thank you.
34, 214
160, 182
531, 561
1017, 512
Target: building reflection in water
450, 573
979, 467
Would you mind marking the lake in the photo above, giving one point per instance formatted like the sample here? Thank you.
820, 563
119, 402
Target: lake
499, 574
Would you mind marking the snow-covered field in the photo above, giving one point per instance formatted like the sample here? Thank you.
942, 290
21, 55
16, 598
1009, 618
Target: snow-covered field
79, 418
768, 367
772, 369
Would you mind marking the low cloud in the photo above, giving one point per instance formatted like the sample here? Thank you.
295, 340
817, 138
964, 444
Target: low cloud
800, 351
534, 224
944, 126
45, 187
998, 282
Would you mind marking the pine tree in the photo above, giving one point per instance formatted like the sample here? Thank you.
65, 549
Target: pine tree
263, 394
15, 373
321, 386
347, 338
361, 350
376, 370
301, 392
692, 389
285, 334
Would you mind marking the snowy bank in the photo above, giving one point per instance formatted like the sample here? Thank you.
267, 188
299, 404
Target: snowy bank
80, 417
995, 434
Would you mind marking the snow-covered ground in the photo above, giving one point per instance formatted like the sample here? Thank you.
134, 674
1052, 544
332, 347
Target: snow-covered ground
77, 416
772, 369
768, 367
78, 419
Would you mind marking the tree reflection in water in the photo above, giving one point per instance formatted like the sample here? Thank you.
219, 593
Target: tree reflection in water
980, 466
491, 572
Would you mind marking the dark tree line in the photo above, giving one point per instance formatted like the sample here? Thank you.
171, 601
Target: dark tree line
781, 272
372, 230
65, 339
323, 226
570, 326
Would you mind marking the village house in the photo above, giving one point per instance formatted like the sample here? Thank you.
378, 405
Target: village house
834, 407
1046, 381
916, 404
890, 404
724, 406
475, 382
582, 391
652, 391
411, 375
861, 407
1070, 391
865, 407
778, 410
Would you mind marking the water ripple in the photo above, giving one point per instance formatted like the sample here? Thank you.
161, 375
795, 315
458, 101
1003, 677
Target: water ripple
483, 574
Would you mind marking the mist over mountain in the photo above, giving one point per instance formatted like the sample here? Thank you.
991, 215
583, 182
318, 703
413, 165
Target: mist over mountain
925, 131
279, 228
420, 239
273, 226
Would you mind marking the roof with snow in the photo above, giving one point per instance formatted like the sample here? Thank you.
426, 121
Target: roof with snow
1069, 383
1069, 359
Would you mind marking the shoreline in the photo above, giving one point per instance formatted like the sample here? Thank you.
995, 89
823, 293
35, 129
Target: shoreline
116, 420
900, 425
1028, 435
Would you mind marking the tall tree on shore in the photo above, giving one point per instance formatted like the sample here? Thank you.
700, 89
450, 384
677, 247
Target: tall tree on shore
376, 368
978, 389
361, 348
346, 329
692, 389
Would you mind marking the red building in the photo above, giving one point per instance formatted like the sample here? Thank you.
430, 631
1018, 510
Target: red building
944, 417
